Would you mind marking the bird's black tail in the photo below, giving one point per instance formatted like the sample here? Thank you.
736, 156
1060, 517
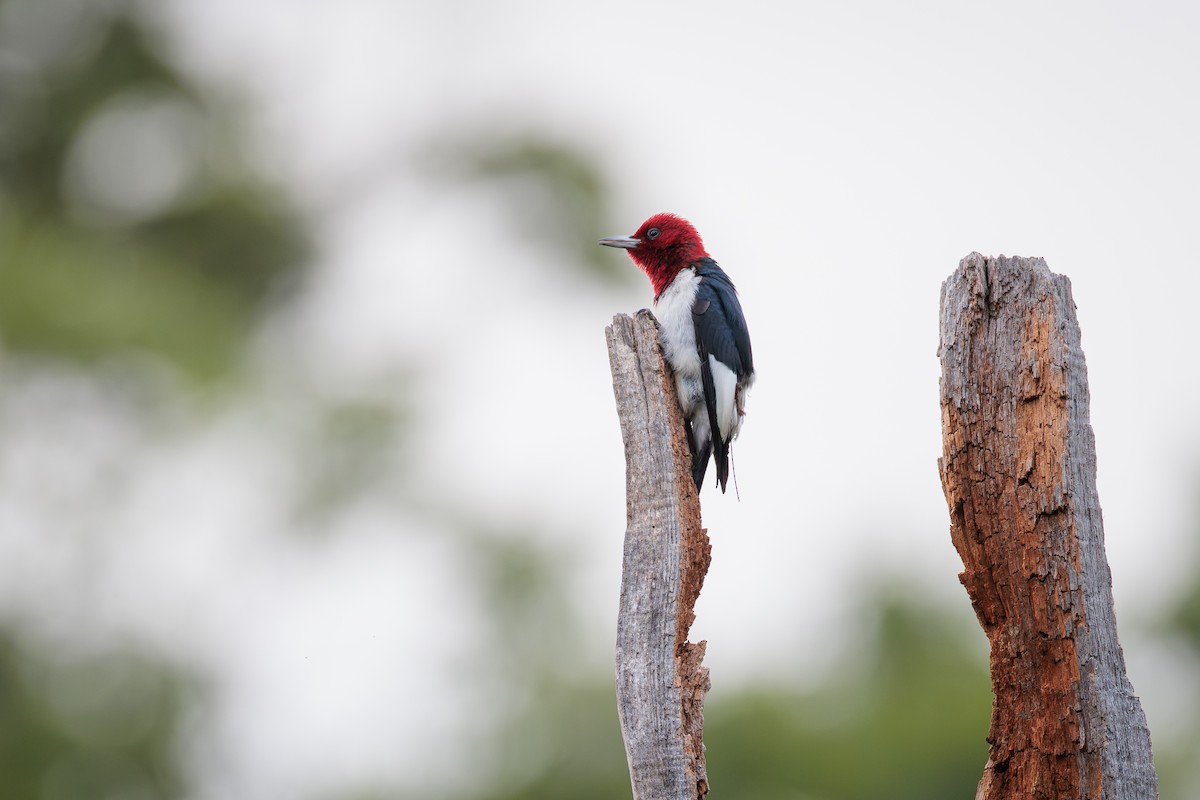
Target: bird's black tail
700, 464
716, 443
722, 458
699, 460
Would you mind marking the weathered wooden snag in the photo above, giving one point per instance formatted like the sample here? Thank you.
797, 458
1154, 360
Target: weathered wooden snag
1019, 473
660, 681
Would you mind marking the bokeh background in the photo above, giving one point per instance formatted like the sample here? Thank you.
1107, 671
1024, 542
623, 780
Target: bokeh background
311, 484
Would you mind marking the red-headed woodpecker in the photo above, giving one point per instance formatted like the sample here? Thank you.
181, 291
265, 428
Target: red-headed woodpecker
703, 333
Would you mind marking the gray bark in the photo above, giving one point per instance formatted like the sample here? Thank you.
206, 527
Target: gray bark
660, 681
1019, 473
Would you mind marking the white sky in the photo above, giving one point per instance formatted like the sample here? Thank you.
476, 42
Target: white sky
839, 160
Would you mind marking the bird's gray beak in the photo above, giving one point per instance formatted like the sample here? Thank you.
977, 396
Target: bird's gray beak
624, 242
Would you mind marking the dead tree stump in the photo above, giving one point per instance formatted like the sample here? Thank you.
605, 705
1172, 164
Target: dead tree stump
1019, 473
660, 681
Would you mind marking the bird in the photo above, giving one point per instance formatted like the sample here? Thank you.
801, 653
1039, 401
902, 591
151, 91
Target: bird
703, 334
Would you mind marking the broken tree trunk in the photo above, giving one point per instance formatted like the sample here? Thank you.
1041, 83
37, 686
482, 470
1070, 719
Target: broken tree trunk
1019, 473
660, 681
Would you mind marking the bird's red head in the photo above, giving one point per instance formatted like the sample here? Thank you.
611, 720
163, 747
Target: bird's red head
662, 246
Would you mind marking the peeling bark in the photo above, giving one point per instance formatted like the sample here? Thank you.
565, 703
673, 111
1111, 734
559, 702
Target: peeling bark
1019, 473
661, 682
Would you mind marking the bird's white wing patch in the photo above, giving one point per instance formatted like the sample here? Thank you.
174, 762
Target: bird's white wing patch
725, 384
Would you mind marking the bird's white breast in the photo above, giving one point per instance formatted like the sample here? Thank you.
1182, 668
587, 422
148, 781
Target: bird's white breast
673, 310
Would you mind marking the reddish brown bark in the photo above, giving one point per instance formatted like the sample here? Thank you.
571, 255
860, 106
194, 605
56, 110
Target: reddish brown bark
1018, 470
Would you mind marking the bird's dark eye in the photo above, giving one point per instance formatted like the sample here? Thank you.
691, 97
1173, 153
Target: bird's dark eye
653, 233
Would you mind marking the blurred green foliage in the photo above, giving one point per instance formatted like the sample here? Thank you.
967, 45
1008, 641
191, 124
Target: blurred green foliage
1178, 758
905, 717
129, 224
1184, 622
555, 192
100, 725
127, 220
348, 449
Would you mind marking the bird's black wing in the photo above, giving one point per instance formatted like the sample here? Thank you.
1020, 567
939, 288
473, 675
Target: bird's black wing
720, 332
